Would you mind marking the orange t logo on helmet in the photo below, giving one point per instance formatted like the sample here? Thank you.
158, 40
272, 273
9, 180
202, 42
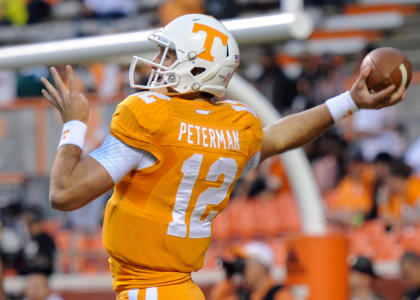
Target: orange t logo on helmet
208, 44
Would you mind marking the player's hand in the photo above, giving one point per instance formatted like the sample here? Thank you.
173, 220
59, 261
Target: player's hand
374, 100
71, 104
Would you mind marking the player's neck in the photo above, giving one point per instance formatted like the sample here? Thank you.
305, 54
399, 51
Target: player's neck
193, 96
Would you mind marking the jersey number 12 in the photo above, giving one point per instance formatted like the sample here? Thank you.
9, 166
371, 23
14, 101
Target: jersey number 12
211, 196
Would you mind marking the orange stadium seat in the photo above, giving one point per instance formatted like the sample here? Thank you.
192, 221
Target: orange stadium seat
221, 227
279, 248
387, 248
370, 35
406, 10
242, 216
410, 239
52, 227
360, 244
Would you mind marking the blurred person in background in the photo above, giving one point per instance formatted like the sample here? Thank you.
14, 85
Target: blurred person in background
273, 82
39, 11
377, 131
257, 279
29, 81
171, 9
109, 9
362, 278
37, 288
230, 287
13, 12
380, 165
221, 9
352, 198
328, 159
39, 251
306, 83
331, 78
399, 202
410, 269
253, 266
412, 155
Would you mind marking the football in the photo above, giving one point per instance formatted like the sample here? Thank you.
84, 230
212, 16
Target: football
389, 66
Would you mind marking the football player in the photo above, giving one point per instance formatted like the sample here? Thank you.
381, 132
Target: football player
174, 153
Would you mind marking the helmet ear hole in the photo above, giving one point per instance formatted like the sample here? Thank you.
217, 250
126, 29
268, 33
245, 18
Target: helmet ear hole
197, 70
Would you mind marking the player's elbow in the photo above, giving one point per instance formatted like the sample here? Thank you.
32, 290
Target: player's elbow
61, 200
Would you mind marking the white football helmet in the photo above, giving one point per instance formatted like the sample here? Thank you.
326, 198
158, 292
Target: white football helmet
203, 47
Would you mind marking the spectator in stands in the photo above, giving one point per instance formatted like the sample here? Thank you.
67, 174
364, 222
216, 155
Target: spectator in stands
259, 259
362, 278
377, 131
380, 165
13, 12
410, 268
306, 81
253, 264
222, 9
399, 204
328, 158
412, 155
109, 9
171, 9
353, 196
29, 80
230, 288
331, 78
39, 11
273, 82
39, 252
37, 288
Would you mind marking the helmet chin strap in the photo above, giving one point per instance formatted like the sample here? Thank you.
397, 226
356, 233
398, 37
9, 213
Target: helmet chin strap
197, 85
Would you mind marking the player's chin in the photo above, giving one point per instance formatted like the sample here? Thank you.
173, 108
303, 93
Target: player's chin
160, 90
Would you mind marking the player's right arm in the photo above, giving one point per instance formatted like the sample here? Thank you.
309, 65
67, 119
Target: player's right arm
75, 181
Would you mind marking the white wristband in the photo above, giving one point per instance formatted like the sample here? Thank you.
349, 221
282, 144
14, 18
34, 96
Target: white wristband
341, 106
74, 133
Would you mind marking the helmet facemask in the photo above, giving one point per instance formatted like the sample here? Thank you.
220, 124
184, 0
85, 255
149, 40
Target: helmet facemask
160, 75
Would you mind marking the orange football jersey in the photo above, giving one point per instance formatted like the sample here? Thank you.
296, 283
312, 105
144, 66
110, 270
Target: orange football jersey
157, 224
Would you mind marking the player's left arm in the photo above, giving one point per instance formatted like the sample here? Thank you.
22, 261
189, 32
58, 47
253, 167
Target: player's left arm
75, 181
298, 129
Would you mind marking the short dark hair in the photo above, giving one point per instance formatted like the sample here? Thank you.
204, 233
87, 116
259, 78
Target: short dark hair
410, 257
400, 169
383, 157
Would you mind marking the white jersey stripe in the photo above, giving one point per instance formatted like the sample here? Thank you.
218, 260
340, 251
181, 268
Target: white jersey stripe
151, 293
133, 294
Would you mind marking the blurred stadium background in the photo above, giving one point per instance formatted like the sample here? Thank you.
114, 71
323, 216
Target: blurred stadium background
367, 167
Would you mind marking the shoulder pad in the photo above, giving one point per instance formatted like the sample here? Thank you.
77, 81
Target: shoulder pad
151, 110
140, 117
239, 106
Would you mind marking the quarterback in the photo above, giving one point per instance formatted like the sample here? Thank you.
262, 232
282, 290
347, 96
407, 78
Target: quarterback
174, 153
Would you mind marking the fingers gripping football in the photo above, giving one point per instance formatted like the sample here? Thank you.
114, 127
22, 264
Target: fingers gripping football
371, 99
71, 104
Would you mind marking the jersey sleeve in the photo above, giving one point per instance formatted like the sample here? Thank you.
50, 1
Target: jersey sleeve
254, 132
139, 120
119, 159
253, 125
